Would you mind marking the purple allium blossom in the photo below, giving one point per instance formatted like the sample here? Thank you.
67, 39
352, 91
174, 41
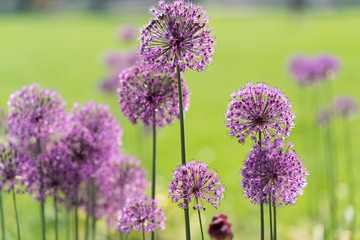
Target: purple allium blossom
178, 36
141, 215
323, 117
116, 62
259, 108
305, 71
345, 106
117, 180
143, 92
327, 66
35, 114
194, 180
128, 32
272, 171
219, 228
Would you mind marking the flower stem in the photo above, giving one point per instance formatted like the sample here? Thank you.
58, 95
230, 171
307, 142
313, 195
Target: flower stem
275, 230
42, 209
153, 185
76, 217
3, 234
261, 207
56, 219
143, 232
183, 154
121, 234
270, 216
93, 207
67, 224
200, 222
16, 214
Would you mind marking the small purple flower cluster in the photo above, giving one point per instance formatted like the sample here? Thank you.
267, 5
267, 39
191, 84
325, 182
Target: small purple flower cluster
177, 37
259, 108
313, 71
219, 228
270, 172
150, 96
141, 215
194, 180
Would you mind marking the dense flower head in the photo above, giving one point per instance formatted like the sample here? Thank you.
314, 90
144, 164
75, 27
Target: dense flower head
327, 66
128, 32
259, 108
219, 228
117, 180
272, 171
304, 71
144, 92
345, 106
35, 114
194, 180
141, 215
178, 36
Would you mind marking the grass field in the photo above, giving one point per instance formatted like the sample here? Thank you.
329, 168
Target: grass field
61, 51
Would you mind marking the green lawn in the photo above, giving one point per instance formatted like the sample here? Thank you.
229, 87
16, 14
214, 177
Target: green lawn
61, 51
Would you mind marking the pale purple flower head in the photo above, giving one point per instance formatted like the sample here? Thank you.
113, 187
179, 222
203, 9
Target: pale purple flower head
178, 36
259, 108
345, 106
128, 32
143, 92
35, 114
194, 180
141, 214
219, 228
323, 117
272, 171
305, 71
327, 66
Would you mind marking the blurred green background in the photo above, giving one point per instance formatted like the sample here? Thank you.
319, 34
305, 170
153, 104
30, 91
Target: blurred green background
61, 50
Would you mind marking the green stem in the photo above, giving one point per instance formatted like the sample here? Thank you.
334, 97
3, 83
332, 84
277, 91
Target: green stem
16, 214
121, 234
67, 225
261, 207
93, 207
275, 230
87, 221
153, 185
270, 216
3, 233
200, 222
76, 217
56, 219
143, 232
42, 209
183, 154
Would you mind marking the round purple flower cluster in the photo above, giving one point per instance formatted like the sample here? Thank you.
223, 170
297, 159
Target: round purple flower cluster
144, 93
312, 71
194, 180
141, 215
178, 36
219, 228
258, 108
345, 106
272, 172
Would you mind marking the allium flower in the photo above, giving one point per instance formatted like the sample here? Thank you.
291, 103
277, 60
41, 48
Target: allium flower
259, 108
305, 71
35, 114
327, 66
345, 106
178, 36
194, 180
117, 180
128, 32
323, 117
141, 214
143, 92
219, 228
271, 171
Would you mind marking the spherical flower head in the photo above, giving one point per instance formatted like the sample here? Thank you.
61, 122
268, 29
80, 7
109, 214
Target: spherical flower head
141, 215
273, 172
128, 32
305, 71
177, 37
323, 117
345, 106
194, 180
144, 92
327, 66
35, 113
258, 108
219, 228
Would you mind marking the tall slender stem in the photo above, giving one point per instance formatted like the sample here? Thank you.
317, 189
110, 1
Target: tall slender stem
76, 216
121, 234
183, 154
3, 233
87, 220
275, 230
270, 217
56, 218
153, 185
262, 228
42, 209
143, 232
93, 207
16, 214
41, 190
67, 224
200, 222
